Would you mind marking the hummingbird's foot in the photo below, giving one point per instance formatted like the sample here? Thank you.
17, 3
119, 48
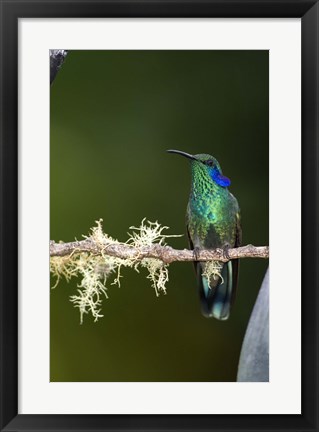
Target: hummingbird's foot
196, 251
225, 252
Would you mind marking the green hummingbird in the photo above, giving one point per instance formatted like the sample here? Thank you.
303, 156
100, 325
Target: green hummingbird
213, 221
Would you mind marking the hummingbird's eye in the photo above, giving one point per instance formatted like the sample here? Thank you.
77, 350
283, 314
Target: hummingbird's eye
210, 162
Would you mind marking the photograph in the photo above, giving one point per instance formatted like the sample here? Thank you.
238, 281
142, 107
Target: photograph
159, 215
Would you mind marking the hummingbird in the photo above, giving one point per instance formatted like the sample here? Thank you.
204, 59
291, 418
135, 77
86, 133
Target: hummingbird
212, 221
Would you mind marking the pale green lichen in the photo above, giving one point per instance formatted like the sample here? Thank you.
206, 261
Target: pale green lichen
95, 270
213, 269
146, 234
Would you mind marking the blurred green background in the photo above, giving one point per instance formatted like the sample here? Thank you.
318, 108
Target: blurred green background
113, 115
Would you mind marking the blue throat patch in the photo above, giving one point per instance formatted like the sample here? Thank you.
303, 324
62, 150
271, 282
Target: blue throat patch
218, 178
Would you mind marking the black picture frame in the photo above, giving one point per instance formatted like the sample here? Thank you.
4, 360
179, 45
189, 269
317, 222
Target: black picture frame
11, 11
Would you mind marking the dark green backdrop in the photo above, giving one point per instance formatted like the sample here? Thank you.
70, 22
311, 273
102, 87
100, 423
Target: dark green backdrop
113, 115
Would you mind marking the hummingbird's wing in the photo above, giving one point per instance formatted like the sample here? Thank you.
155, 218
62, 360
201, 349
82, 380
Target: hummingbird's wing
238, 230
191, 246
235, 263
212, 294
218, 294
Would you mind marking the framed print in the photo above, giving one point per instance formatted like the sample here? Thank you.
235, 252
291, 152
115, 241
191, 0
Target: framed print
159, 205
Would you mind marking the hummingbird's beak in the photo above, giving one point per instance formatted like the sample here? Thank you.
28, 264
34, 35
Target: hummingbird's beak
187, 155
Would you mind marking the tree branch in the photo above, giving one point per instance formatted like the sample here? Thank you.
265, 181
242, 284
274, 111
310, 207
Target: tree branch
96, 257
165, 253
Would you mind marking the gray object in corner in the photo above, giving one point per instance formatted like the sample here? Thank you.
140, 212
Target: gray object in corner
254, 356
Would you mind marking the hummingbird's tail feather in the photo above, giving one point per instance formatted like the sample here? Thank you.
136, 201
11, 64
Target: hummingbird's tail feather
217, 295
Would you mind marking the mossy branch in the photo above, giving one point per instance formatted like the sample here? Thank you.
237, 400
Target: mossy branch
164, 253
98, 256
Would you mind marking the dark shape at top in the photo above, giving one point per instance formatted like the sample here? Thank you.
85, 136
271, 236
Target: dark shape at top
56, 60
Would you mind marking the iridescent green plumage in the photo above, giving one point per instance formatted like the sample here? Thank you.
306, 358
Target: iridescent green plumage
213, 221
